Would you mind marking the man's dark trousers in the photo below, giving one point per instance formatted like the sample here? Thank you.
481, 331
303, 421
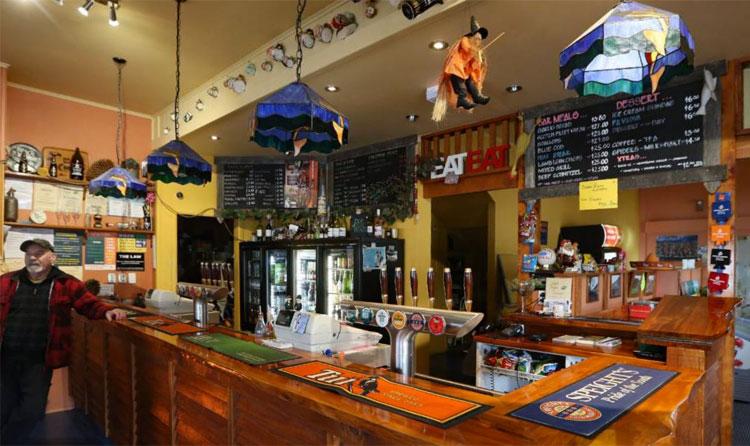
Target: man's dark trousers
24, 385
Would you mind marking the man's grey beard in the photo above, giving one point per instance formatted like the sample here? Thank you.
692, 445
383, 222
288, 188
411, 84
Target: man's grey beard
35, 269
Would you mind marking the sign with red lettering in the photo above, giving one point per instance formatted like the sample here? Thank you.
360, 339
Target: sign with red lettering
472, 162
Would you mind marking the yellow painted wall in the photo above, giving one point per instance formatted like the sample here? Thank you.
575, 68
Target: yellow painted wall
564, 211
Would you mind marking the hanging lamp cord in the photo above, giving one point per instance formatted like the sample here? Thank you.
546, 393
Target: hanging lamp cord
120, 64
177, 76
300, 9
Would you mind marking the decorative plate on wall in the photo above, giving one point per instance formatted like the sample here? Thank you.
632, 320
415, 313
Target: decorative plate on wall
33, 156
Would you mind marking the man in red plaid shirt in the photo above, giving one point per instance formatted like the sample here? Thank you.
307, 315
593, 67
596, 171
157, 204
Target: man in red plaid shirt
35, 334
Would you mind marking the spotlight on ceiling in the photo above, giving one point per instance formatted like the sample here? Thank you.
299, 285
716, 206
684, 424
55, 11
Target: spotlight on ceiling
412, 118
113, 5
215, 137
84, 9
332, 88
513, 88
438, 45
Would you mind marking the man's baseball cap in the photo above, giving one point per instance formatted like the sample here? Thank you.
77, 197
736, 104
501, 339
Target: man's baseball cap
37, 241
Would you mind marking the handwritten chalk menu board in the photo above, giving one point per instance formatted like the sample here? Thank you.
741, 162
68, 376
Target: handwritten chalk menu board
252, 186
636, 135
353, 176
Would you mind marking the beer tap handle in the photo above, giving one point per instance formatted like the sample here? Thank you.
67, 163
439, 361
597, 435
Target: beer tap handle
431, 287
468, 288
448, 288
399, 278
414, 286
384, 284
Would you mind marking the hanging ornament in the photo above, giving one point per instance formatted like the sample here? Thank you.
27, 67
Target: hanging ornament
296, 119
463, 74
176, 161
632, 49
117, 182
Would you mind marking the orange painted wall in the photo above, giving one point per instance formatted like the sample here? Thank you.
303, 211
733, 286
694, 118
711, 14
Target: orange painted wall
45, 120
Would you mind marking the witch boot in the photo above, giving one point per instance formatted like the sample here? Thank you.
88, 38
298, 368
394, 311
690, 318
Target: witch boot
459, 87
474, 92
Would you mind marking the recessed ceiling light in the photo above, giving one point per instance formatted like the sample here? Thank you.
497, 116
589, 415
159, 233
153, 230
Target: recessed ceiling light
332, 88
166, 130
438, 45
215, 137
412, 118
513, 88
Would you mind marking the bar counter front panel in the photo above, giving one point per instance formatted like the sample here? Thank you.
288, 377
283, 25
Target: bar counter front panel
146, 387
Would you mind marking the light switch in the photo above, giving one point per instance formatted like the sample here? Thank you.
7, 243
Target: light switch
123, 278
131, 277
111, 277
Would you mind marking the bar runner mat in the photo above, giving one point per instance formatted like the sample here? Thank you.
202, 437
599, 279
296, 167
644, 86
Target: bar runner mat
245, 351
166, 325
588, 406
419, 404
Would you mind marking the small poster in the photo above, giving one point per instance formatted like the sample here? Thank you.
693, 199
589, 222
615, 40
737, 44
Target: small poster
68, 248
676, 247
46, 197
301, 184
96, 205
597, 194
373, 258
100, 253
558, 288
131, 261
132, 243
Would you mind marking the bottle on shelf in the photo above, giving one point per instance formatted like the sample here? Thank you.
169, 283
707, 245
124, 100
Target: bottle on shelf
378, 225
53, 165
269, 228
370, 227
76, 166
259, 231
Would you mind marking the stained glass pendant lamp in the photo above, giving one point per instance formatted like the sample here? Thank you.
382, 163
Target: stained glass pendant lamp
297, 119
176, 162
633, 49
117, 182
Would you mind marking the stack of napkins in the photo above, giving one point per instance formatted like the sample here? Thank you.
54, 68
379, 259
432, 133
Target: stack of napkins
588, 341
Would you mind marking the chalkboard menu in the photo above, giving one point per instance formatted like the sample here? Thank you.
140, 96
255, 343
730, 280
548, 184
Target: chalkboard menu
253, 186
354, 175
635, 135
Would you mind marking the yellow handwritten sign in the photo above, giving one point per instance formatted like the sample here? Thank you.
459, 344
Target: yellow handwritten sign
598, 194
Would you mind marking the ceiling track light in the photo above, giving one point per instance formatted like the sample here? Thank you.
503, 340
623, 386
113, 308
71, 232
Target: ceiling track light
113, 5
84, 9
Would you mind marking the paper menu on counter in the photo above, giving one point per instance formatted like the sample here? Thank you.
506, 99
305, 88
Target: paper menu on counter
24, 191
46, 197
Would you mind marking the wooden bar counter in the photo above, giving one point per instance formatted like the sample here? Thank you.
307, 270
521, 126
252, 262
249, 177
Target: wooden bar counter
145, 387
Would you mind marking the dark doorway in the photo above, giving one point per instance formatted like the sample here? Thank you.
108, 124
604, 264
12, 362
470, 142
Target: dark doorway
201, 239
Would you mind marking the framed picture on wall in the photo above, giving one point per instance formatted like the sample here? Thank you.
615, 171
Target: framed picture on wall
615, 286
650, 283
743, 97
592, 294
635, 284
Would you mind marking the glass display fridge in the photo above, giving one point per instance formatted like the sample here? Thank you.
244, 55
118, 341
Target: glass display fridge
313, 275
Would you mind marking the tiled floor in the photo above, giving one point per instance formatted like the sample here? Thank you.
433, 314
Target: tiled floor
74, 428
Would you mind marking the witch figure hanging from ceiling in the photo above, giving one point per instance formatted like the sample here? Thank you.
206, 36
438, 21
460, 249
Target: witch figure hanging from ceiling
463, 74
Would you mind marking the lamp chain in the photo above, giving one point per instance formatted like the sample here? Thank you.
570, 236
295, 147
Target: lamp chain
120, 112
177, 78
300, 9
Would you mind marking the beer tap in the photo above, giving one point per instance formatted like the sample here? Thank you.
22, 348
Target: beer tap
414, 286
448, 288
431, 286
384, 284
399, 278
468, 288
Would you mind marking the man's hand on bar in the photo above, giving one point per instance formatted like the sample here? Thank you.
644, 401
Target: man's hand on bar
116, 314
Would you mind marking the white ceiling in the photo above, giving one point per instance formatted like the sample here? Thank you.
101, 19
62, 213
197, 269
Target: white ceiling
54, 48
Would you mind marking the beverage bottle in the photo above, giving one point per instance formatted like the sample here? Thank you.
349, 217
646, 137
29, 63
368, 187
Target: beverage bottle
378, 225
76, 166
269, 228
23, 164
259, 232
53, 165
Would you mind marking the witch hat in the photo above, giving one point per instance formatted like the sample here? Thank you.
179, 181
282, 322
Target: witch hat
475, 28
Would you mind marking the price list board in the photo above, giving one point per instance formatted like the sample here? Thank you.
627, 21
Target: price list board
353, 177
252, 186
637, 135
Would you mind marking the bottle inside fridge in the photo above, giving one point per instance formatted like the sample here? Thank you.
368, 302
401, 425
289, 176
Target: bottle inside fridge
339, 278
277, 287
305, 278
254, 279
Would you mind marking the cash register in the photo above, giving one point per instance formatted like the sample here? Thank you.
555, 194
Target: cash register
315, 332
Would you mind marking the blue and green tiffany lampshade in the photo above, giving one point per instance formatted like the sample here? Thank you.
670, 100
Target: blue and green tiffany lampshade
296, 119
117, 183
632, 49
176, 162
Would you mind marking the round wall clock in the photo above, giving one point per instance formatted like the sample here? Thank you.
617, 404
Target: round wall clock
33, 156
